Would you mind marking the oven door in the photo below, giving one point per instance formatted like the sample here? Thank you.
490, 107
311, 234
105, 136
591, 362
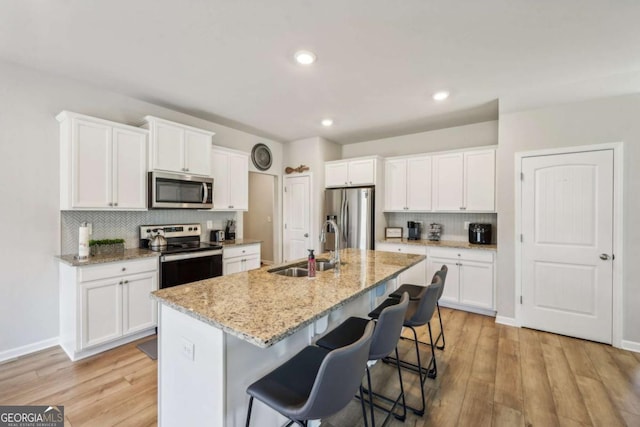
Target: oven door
178, 269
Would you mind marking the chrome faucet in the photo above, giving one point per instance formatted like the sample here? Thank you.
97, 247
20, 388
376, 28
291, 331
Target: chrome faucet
323, 238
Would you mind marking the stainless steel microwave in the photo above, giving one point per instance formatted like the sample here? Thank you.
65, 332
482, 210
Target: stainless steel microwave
175, 191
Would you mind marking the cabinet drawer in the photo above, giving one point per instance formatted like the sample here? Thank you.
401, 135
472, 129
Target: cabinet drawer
467, 254
402, 248
243, 250
113, 269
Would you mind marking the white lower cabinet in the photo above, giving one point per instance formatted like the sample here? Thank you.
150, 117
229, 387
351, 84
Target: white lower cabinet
416, 275
470, 279
236, 259
105, 305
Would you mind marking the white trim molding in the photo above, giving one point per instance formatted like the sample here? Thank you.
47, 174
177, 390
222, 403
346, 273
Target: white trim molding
14, 353
618, 209
509, 321
631, 346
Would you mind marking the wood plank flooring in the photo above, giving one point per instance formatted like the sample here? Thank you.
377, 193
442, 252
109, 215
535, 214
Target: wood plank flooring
488, 375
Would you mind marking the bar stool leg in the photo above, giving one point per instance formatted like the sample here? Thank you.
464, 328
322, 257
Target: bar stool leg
404, 402
249, 411
371, 405
364, 411
440, 347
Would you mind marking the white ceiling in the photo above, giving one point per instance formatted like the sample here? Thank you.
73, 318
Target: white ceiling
379, 61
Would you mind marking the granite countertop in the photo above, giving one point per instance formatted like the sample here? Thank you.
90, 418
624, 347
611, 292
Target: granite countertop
127, 255
237, 242
263, 308
441, 244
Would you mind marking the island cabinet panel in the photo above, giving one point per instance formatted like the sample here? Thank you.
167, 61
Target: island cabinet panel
106, 305
236, 259
415, 275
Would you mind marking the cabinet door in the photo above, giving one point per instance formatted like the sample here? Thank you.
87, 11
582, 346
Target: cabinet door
362, 172
448, 182
451, 290
232, 265
91, 165
336, 174
395, 185
238, 181
220, 174
129, 169
139, 310
479, 180
167, 146
251, 262
419, 184
476, 283
197, 153
101, 307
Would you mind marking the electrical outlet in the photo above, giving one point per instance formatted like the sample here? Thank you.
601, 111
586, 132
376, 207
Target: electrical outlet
188, 349
90, 226
466, 225
210, 224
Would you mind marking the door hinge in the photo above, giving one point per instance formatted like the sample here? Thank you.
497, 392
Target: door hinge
285, 226
521, 238
285, 189
613, 256
520, 299
521, 176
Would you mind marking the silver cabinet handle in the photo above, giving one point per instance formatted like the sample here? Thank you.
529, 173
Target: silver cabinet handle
462, 208
126, 281
110, 204
120, 283
306, 234
115, 204
604, 257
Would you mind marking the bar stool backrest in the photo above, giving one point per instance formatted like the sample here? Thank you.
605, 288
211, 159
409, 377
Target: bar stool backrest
443, 275
388, 329
427, 303
338, 379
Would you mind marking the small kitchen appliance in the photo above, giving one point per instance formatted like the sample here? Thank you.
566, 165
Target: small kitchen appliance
217, 236
435, 231
175, 191
184, 258
479, 234
230, 229
414, 230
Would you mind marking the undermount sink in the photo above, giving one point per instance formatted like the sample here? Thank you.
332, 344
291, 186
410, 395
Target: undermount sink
291, 271
324, 265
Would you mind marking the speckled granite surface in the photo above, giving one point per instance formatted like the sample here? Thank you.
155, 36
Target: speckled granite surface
441, 244
128, 254
264, 308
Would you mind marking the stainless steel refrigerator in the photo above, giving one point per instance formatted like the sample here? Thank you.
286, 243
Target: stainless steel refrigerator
353, 211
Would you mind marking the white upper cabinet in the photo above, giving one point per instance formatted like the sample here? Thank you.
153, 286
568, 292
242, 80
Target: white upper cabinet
178, 148
230, 172
464, 181
103, 164
347, 173
408, 184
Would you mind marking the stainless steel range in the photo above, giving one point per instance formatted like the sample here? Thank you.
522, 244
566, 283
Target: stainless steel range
185, 258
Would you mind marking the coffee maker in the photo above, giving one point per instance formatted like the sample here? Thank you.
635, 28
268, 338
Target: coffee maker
414, 230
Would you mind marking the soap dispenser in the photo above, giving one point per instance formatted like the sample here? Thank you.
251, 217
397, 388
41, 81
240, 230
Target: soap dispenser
311, 263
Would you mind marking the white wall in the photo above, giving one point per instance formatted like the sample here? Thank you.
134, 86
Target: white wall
313, 152
474, 135
29, 172
593, 122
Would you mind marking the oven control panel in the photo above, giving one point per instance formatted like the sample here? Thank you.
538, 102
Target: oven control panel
170, 231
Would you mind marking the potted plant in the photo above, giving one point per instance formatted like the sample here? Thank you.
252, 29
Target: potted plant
106, 246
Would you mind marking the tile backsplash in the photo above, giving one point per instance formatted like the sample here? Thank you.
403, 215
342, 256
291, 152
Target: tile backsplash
452, 223
124, 225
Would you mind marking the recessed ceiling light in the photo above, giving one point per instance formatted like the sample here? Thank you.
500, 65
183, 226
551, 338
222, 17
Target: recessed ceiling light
304, 57
327, 122
441, 96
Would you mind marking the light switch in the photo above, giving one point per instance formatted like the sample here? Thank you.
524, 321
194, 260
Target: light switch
466, 225
210, 224
268, 219
188, 349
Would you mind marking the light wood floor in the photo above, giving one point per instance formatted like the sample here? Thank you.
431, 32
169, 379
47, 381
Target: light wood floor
488, 375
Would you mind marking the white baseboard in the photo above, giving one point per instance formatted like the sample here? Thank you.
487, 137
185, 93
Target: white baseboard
14, 353
631, 346
469, 308
509, 321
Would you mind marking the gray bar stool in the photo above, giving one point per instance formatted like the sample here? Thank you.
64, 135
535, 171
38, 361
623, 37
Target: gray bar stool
384, 342
315, 383
416, 290
418, 314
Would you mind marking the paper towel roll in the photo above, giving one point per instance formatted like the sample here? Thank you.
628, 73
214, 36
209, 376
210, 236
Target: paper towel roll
83, 241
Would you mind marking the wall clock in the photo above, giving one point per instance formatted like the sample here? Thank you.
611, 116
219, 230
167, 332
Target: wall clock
261, 157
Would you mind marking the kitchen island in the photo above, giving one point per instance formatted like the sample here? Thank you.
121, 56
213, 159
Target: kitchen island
219, 335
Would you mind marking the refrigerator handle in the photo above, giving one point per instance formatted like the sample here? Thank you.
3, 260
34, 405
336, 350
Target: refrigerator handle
345, 227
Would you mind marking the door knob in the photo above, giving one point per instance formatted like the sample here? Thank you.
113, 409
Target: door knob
604, 257
306, 234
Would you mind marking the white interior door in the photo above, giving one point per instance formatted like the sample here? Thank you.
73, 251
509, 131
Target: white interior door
297, 217
567, 224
